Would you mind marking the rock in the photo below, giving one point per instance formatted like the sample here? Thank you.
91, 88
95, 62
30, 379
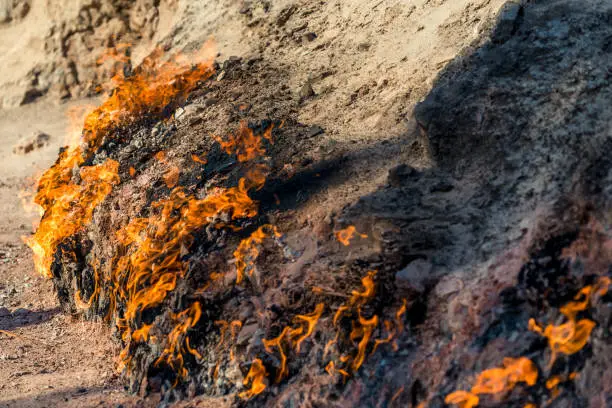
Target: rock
507, 22
414, 276
314, 131
285, 15
306, 92
20, 312
35, 141
399, 174
364, 46
309, 37
4, 312
246, 334
448, 286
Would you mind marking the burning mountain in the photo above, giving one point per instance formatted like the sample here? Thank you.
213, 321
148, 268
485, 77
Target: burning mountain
183, 222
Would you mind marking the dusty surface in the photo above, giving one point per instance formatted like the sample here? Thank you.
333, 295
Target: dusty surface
484, 176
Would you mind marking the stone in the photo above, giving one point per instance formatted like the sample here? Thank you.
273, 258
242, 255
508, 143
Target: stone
306, 91
35, 141
415, 275
507, 22
246, 334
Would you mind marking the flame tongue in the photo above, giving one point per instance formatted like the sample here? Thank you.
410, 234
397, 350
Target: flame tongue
71, 208
67, 205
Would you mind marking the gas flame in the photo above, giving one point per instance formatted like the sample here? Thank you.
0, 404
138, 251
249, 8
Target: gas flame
72, 207
256, 377
245, 144
345, 235
293, 337
570, 337
67, 203
496, 381
177, 342
248, 250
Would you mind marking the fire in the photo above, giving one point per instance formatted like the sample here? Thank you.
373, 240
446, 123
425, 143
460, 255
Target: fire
293, 337
248, 250
345, 235
256, 377
171, 176
198, 159
70, 209
364, 331
245, 144
496, 381
153, 246
570, 337
68, 203
177, 342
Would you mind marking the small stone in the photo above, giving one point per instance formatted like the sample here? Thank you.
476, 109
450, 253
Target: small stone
448, 286
398, 175
20, 312
306, 91
246, 333
309, 37
364, 46
35, 141
415, 275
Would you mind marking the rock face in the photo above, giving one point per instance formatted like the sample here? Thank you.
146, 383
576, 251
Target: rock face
91, 47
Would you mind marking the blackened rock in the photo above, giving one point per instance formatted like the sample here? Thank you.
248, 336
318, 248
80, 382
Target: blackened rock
507, 22
399, 174
415, 276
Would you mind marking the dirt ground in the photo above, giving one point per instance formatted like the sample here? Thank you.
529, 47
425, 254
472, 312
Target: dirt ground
356, 68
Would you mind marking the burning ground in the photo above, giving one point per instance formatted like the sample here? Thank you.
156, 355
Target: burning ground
196, 217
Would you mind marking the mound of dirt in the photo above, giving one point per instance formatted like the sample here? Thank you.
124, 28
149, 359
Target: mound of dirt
247, 232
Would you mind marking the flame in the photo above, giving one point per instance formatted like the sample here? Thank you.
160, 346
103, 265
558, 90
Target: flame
570, 337
311, 322
256, 377
463, 399
365, 332
72, 208
245, 144
175, 349
496, 380
293, 337
248, 250
171, 176
345, 235
69, 204
198, 159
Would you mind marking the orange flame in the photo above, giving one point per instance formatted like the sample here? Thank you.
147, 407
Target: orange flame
248, 250
245, 144
570, 337
175, 349
345, 235
496, 380
68, 205
294, 337
72, 207
256, 377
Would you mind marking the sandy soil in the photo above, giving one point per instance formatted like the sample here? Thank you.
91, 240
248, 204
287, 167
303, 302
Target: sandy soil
359, 66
